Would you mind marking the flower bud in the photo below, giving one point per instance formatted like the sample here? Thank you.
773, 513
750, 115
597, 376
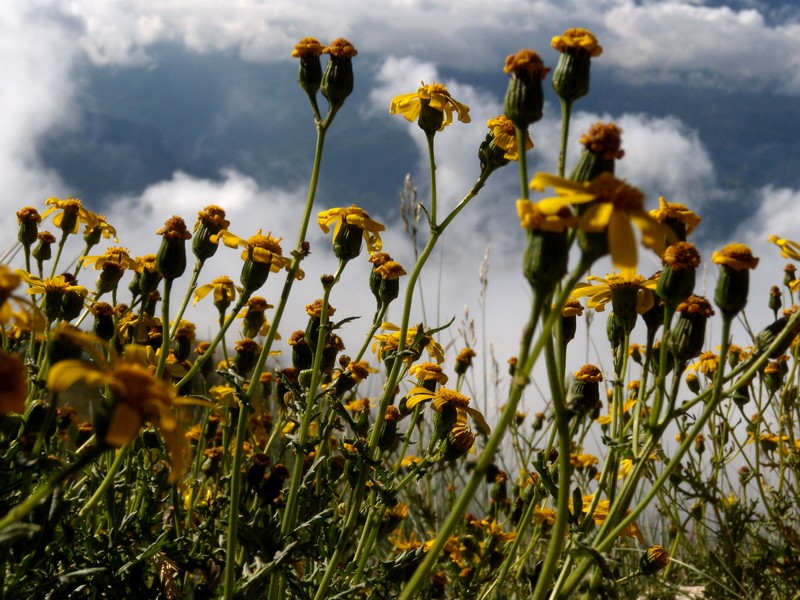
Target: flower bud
28, 219
545, 259
652, 561
337, 81
735, 262
571, 77
583, 392
247, 352
210, 221
171, 256
524, 98
602, 147
688, 334
676, 281
43, 250
309, 75
103, 320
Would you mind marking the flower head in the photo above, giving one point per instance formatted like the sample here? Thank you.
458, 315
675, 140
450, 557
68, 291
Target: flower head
615, 207
604, 140
532, 218
100, 228
71, 215
431, 106
428, 371
139, 396
735, 256
308, 47
224, 291
349, 222
118, 256
445, 397
604, 291
577, 39
505, 136
388, 342
789, 248
677, 216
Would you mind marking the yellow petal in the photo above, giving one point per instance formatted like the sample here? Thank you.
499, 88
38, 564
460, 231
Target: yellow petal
622, 244
66, 373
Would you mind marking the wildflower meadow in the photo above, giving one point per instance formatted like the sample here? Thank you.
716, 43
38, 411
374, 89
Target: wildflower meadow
140, 459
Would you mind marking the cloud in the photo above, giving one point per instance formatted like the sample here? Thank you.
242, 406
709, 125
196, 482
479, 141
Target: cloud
35, 99
653, 40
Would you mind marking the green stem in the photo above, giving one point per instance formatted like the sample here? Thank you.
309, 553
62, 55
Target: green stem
526, 361
566, 112
198, 265
523, 164
165, 330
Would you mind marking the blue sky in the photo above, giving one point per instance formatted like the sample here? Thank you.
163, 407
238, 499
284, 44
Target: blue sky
146, 109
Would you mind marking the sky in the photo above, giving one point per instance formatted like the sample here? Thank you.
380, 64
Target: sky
146, 109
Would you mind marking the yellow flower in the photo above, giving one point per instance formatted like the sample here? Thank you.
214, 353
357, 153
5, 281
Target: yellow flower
71, 215
386, 343
577, 39
100, 228
505, 136
224, 290
583, 461
614, 207
263, 249
446, 397
428, 371
58, 284
531, 217
307, 46
434, 96
601, 514
673, 211
601, 294
115, 255
735, 256
707, 364
356, 217
139, 397
544, 515
789, 249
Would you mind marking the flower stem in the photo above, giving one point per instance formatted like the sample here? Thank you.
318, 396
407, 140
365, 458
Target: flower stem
566, 112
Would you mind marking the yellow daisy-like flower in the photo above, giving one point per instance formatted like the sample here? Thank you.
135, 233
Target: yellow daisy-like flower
789, 249
601, 514
223, 287
355, 216
446, 397
673, 211
505, 136
532, 217
116, 255
57, 284
260, 248
434, 96
577, 39
583, 461
707, 364
101, 228
601, 294
428, 371
615, 207
139, 397
71, 215
385, 343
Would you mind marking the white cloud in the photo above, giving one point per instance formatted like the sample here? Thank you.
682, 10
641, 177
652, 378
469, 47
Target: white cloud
648, 40
35, 99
